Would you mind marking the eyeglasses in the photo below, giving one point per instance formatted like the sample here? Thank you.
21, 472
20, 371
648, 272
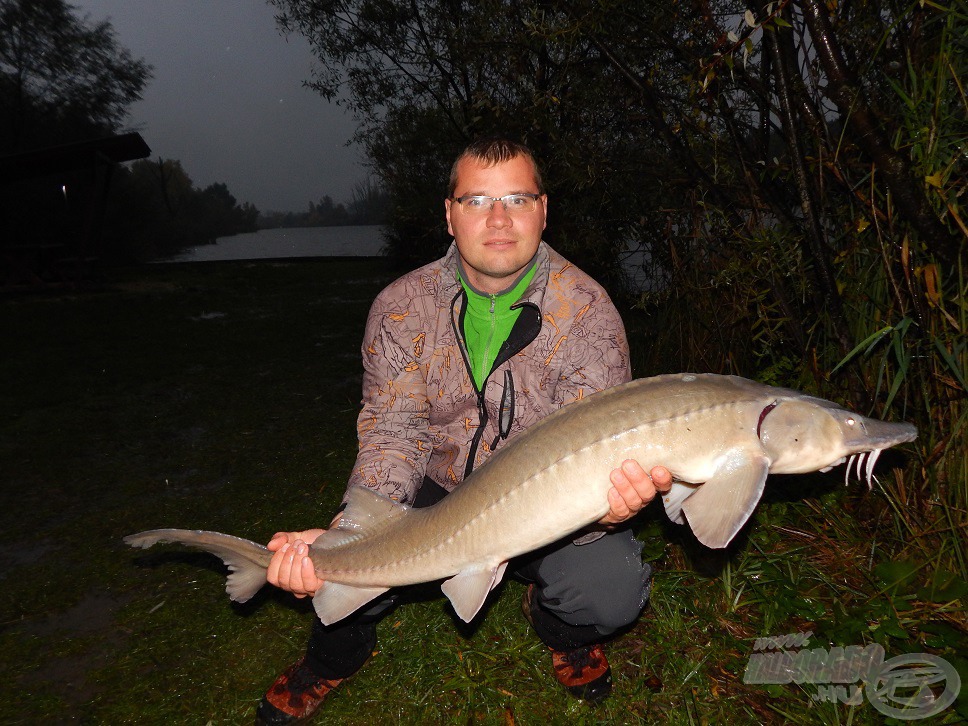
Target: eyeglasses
479, 204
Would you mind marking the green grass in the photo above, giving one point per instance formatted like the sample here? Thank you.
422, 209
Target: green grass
224, 396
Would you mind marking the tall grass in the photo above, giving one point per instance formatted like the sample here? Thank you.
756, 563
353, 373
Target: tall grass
913, 309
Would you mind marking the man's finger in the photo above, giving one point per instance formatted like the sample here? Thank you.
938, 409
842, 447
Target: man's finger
661, 477
618, 504
275, 565
311, 583
278, 541
641, 489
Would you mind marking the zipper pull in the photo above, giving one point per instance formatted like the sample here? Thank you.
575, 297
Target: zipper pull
506, 416
493, 300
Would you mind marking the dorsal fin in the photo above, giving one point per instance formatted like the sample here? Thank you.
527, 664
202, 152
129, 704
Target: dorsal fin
366, 512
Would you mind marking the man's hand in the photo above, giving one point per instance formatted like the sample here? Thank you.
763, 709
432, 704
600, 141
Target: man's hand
633, 488
290, 567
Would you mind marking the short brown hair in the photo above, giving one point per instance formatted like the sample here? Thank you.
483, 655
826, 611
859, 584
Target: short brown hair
491, 151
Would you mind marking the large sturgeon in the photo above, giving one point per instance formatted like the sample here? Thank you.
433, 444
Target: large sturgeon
720, 436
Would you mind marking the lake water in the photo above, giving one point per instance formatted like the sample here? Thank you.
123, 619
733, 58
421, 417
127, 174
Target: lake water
364, 241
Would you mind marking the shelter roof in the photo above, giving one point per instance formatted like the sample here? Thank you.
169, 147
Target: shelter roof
70, 157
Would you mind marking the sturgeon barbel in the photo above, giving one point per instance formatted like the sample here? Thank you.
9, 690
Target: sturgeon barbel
720, 436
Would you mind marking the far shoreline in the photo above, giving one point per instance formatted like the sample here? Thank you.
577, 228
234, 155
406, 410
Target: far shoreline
365, 241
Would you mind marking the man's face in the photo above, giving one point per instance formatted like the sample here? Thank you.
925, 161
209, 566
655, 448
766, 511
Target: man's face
495, 247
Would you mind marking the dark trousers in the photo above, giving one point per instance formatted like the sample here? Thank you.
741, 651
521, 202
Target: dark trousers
584, 594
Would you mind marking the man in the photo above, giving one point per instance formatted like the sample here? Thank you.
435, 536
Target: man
459, 356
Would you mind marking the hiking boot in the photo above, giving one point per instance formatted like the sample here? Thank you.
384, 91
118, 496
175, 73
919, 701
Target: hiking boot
584, 672
295, 696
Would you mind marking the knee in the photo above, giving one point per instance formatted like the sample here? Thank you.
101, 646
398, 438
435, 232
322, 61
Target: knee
607, 600
618, 604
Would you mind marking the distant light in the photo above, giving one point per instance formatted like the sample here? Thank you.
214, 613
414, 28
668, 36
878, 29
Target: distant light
64, 190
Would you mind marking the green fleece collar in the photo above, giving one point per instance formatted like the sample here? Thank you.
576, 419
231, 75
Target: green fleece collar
488, 320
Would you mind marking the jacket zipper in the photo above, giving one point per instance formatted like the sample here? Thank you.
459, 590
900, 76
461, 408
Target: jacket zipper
506, 415
490, 340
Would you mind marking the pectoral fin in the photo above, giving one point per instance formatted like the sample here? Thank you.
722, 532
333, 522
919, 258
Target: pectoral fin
468, 590
334, 601
366, 513
672, 500
719, 508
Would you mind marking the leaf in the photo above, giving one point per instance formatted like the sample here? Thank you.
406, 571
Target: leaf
867, 343
955, 589
934, 180
952, 363
892, 628
932, 284
750, 18
897, 574
947, 635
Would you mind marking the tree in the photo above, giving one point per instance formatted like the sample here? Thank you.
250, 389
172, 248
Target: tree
326, 213
425, 77
790, 174
61, 79
721, 120
155, 210
369, 204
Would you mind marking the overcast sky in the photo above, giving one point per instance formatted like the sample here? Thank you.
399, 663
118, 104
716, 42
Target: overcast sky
227, 100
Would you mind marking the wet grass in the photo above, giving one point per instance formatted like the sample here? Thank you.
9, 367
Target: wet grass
223, 396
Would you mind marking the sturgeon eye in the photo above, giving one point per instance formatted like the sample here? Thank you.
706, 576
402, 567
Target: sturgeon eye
851, 422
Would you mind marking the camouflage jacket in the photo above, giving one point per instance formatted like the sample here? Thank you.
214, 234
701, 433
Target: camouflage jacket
421, 413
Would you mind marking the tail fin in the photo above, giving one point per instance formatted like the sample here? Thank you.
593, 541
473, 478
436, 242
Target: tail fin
247, 561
